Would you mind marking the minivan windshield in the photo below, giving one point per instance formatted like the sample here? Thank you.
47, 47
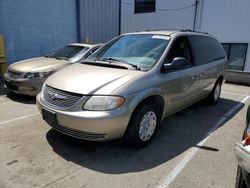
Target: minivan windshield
139, 50
69, 52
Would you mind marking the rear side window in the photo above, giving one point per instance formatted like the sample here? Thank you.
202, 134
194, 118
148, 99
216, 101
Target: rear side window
205, 49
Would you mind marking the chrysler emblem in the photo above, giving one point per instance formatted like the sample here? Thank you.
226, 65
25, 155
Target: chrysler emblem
55, 96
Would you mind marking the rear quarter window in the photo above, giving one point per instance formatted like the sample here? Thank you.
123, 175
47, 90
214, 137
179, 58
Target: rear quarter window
205, 49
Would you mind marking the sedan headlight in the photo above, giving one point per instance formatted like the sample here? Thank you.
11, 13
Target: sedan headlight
103, 103
248, 129
246, 135
248, 121
32, 75
38, 75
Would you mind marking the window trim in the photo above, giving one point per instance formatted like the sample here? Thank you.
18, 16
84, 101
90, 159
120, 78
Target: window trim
190, 60
229, 53
136, 11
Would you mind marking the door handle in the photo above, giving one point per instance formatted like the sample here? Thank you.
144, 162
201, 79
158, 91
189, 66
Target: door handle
196, 77
202, 75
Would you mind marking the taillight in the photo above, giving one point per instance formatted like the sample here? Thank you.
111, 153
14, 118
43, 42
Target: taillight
246, 142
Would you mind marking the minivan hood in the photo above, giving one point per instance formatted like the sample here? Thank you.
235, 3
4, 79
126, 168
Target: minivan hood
90, 79
37, 64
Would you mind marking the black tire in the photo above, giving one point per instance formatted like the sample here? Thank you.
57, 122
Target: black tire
213, 98
132, 136
240, 182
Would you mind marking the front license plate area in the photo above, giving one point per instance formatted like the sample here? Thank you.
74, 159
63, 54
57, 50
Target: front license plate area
10, 85
49, 117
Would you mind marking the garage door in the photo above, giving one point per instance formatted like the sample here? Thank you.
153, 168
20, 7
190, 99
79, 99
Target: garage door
33, 28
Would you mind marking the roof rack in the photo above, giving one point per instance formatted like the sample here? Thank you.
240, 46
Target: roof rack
161, 29
189, 30
186, 30
174, 30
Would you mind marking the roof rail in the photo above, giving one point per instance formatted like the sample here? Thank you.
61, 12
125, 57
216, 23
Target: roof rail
201, 32
174, 30
161, 29
186, 30
189, 30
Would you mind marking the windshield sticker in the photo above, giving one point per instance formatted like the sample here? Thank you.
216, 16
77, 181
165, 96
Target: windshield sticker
163, 37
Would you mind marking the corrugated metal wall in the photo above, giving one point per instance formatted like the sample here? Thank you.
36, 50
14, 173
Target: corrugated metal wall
170, 14
228, 20
99, 19
35, 27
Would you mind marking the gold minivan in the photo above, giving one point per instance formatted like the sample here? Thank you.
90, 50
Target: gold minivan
131, 83
27, 76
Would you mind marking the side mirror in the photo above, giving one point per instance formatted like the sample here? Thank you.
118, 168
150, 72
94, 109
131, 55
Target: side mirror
177, 63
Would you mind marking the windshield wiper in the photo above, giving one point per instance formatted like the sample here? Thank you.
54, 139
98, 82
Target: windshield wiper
106, 59
135, 66
60, 58
110, 59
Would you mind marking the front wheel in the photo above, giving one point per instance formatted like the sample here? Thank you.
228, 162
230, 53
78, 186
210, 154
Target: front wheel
142, 125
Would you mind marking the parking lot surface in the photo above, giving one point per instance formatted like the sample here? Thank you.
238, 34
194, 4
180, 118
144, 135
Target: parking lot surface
193, 148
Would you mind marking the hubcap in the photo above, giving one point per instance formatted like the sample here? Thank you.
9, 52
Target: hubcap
147, 126
217, 92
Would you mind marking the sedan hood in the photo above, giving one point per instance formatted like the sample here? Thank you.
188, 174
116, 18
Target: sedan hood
37, 64
90, 79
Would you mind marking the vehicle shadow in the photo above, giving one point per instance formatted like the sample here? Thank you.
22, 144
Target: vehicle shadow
177, 134
21, 98
3, 91
17, 97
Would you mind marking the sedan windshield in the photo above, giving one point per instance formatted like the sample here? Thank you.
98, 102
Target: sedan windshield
139, 50
69, 52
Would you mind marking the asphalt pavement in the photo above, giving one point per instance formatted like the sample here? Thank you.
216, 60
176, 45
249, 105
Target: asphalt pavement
193, 148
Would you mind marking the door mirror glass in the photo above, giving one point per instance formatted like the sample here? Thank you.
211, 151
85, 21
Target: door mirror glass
177, 63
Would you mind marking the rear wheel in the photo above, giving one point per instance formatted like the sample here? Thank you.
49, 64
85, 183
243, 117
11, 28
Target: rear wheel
215, 93
142, 125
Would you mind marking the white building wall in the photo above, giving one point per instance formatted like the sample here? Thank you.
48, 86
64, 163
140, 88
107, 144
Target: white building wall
170, 14
228, 20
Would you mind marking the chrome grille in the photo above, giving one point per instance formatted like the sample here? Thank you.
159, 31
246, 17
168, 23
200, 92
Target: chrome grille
59, 98
78, 134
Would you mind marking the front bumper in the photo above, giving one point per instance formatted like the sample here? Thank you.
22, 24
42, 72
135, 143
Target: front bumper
243, 156
87, 125
23, 85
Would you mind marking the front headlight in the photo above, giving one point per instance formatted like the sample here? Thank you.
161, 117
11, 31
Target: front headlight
38, 75
42, 91
103, 103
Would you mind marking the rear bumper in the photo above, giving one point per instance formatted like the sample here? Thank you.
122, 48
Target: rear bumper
23, 85
243, 156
